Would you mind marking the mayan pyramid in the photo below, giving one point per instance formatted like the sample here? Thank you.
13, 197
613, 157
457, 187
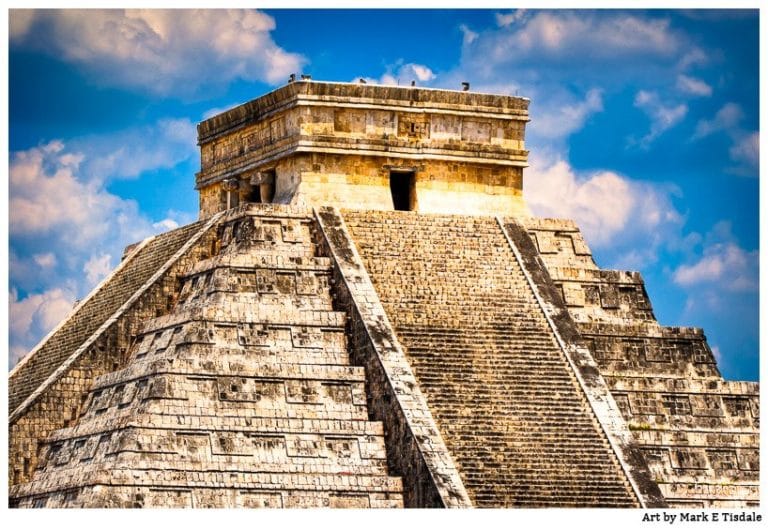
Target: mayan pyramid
367, 315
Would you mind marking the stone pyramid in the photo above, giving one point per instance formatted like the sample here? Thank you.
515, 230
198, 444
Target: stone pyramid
308, 343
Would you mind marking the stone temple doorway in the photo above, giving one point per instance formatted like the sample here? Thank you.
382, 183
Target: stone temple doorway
402, 184
263, 187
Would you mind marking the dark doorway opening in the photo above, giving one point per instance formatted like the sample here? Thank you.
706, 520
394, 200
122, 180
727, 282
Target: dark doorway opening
402, 184
263, 187
255, 194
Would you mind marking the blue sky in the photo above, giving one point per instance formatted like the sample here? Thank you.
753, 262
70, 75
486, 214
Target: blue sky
644, 130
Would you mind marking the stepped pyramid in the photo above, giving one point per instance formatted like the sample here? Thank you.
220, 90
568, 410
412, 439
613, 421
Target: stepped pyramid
366, 315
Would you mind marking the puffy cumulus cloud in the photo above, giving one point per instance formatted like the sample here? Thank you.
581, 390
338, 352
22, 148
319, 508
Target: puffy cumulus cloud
468, 36
722, 263
611, 209
97, 268
560, 36
720, 278
693, 86
506, 19
161, 51
572, 63
67, 231
45, 261
663, 116
695, 56
165, 225
33, 316
19, 22
47, 197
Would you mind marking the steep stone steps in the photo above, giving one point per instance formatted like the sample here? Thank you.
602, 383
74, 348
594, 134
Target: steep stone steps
496, 381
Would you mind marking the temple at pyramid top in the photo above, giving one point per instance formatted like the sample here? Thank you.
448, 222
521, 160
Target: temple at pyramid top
367, 146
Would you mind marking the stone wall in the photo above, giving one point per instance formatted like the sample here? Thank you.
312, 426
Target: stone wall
335, 144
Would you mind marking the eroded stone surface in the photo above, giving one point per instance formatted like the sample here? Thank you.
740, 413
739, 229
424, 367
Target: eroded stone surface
347, 145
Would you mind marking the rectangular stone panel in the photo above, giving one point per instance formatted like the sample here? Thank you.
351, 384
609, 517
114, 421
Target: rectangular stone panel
269, 449
306, 337
306, 446
446, 127
192, 444
723, 460
251, 335
349, 501
737, 407
231, 443
609, 296
244, 389
257, 499
706, 405
688, 458
303, 391
677, 404
292, 231
169, 498
349, 121
343, 448
475, 131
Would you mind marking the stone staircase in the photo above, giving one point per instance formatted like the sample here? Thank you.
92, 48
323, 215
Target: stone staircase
241, 396
507, 403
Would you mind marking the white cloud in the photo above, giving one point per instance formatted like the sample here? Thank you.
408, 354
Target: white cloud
402, 74
97, 268
129, 153
469, 36
726, 119
33, 316
65, 225
162, 51
693, 86
609, 208
726, 263
165, 225
507, 19
45, 261
663, 116
559, 34
45, 194
564, 119
19, 22
407, 73
693, 57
